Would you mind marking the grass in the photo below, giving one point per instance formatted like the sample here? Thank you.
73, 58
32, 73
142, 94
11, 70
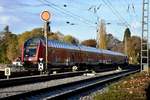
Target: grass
129, 88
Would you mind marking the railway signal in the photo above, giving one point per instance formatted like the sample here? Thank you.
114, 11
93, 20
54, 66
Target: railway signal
46, 16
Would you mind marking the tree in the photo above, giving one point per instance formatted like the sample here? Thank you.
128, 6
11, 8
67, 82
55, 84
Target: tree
8, 46
12, 48
53, 36
60, 35
90, 42
118, 48
127, 34
112, 42
134, 48
6, 29
37, 32
3, 56
70, 39
102, 35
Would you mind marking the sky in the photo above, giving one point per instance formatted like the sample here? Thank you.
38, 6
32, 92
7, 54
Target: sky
75, 17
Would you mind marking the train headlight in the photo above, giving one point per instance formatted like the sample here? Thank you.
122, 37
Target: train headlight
30, 59
41, 59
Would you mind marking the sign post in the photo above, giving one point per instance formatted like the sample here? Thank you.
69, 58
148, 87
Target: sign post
7, 72
40, 65
45, 15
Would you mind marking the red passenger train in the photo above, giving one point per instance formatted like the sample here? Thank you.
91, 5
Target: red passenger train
63, 55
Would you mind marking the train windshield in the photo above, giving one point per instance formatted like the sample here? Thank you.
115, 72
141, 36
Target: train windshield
31, 52
31, 47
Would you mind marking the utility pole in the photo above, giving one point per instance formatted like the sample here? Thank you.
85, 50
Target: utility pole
144, 39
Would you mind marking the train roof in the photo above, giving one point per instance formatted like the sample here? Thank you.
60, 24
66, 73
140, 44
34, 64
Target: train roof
89, 49
60, 44
33, 40
112, 52
64, 45
92, 49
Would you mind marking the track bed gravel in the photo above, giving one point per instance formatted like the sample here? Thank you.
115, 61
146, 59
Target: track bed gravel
15, 90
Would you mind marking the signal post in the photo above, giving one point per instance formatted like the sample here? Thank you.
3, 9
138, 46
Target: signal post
46, 16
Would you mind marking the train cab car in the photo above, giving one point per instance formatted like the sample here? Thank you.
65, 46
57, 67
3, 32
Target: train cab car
60, 54
63, 55
31, 51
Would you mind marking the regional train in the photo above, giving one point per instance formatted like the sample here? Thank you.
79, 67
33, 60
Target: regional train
63, 55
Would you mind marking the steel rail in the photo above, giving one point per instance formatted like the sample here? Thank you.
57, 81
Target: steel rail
37, 78
95, 81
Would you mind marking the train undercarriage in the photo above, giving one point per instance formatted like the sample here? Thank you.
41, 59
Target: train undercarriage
75, 67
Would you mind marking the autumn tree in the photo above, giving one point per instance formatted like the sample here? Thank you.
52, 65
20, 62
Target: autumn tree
70, 39
134, 49
89, 42
112, 42
3, 56
118, 48
6, 29
127, 35
37, 32
102, 35
53, 36
8, 46
12, 48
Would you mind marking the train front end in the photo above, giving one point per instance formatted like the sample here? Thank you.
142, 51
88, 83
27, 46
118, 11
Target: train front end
31, 52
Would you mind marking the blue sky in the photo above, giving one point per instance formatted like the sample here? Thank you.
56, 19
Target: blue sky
24, 15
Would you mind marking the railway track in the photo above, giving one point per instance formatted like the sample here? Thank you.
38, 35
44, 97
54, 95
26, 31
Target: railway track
61, 88
37, 78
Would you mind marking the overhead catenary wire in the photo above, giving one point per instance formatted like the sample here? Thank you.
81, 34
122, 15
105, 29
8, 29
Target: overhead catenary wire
28, 5
113, 12
132, 14
59, 10
65, 12
131, 9
117, 13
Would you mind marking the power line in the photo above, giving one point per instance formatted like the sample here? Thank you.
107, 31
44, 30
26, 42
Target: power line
28, 5
112, 10
128, 9
118, 14
131, 9
132, 14
63, 11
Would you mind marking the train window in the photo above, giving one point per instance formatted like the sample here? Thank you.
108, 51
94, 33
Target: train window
31, 52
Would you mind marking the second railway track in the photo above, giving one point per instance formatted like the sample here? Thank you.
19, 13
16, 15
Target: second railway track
60, 88
37, 78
